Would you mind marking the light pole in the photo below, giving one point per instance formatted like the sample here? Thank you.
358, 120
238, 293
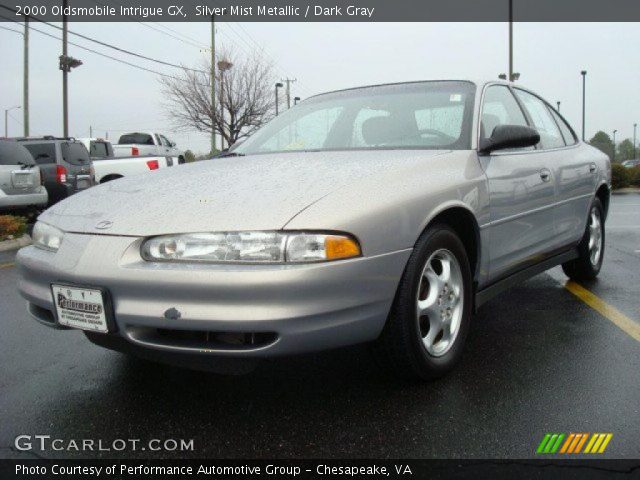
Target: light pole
278, 85
634, 140
213, 84
614, 145
296, 100
558, 103
511, 79
223, 66
584, 76
6, 119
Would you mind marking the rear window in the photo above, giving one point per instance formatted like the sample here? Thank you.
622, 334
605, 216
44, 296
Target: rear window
99, 149
139, 138
42, 153
75, 153
12, 153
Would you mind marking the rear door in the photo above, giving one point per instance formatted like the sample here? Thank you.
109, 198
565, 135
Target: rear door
521, 187
573, 171
18, 172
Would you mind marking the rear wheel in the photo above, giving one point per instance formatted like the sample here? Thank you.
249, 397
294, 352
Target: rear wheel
591, 247
428, 323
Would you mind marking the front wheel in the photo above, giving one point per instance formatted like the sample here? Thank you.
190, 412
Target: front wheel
428, 323
591, 248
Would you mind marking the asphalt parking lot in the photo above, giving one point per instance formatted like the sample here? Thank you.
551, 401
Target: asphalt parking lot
542, 357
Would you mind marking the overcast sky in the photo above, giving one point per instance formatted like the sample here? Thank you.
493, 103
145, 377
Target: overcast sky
114, 97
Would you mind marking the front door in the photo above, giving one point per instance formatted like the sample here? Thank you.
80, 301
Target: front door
521, 183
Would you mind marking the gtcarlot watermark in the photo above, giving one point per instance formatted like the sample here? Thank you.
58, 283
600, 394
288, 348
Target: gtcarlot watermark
44, 443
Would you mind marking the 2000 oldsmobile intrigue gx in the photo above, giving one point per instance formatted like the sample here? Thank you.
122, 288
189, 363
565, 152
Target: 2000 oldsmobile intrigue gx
382, 214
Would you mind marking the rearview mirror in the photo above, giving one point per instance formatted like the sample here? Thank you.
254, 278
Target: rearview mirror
509, 136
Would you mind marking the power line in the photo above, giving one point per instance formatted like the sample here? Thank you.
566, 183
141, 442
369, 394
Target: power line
147, 24
11, 29
186, 42
100, 53
108, 45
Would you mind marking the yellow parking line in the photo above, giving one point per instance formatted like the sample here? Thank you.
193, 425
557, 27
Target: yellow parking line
6, 265
623, 322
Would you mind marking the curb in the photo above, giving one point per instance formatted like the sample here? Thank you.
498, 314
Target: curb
15, 244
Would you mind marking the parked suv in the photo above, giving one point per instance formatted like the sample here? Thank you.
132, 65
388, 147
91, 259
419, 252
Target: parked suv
20, 181
64, 163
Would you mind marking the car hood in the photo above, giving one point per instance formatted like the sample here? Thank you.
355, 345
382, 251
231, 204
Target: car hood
259, 192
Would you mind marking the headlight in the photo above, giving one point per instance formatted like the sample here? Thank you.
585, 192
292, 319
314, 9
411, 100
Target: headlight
46, 237
251, 247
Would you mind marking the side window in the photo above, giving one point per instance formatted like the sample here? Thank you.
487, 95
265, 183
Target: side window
550, 136
165, 142
42, 153
500, 107
565, 129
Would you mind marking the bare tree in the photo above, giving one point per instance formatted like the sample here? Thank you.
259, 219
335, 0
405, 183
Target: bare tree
244, 97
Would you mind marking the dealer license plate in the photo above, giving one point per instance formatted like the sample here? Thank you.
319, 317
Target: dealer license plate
79, 307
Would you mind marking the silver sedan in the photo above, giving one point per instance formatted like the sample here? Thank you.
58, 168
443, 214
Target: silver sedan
382, 214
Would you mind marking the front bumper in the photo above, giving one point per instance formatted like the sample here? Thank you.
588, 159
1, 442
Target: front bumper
288, 308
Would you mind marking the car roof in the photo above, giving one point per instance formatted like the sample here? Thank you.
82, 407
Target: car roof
477, 82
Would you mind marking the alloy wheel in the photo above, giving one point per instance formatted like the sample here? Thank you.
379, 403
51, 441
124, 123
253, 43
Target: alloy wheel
440, 302
595, 236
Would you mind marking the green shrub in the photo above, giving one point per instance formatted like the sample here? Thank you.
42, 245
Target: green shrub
620, 176
12, 226
634, 176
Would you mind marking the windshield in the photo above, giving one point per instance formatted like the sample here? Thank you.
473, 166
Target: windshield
426, 115
133, 138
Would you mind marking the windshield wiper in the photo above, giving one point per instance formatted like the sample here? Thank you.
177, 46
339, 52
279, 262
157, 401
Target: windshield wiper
230, 154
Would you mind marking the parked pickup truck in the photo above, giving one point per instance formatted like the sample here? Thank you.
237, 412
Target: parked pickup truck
98, 147
107, 167
146, 143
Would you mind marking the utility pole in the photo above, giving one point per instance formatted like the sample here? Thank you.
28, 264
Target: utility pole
614, 145
65, 92
511, 79
213, 84
584, 76
66, 64
25, 84
90, 131
278, 85
558, 103
634, 140
288, 81
223, 66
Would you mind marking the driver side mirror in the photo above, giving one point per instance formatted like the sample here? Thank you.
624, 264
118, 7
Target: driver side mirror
509, 136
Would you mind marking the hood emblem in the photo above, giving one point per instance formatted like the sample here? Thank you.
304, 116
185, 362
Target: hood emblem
105, 224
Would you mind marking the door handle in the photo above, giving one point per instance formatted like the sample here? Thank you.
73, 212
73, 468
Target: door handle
545, 174
592, 168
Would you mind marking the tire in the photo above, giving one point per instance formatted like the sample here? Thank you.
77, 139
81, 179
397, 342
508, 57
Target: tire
590, 249
411, 344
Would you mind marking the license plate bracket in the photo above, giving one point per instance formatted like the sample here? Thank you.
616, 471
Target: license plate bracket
83, 307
